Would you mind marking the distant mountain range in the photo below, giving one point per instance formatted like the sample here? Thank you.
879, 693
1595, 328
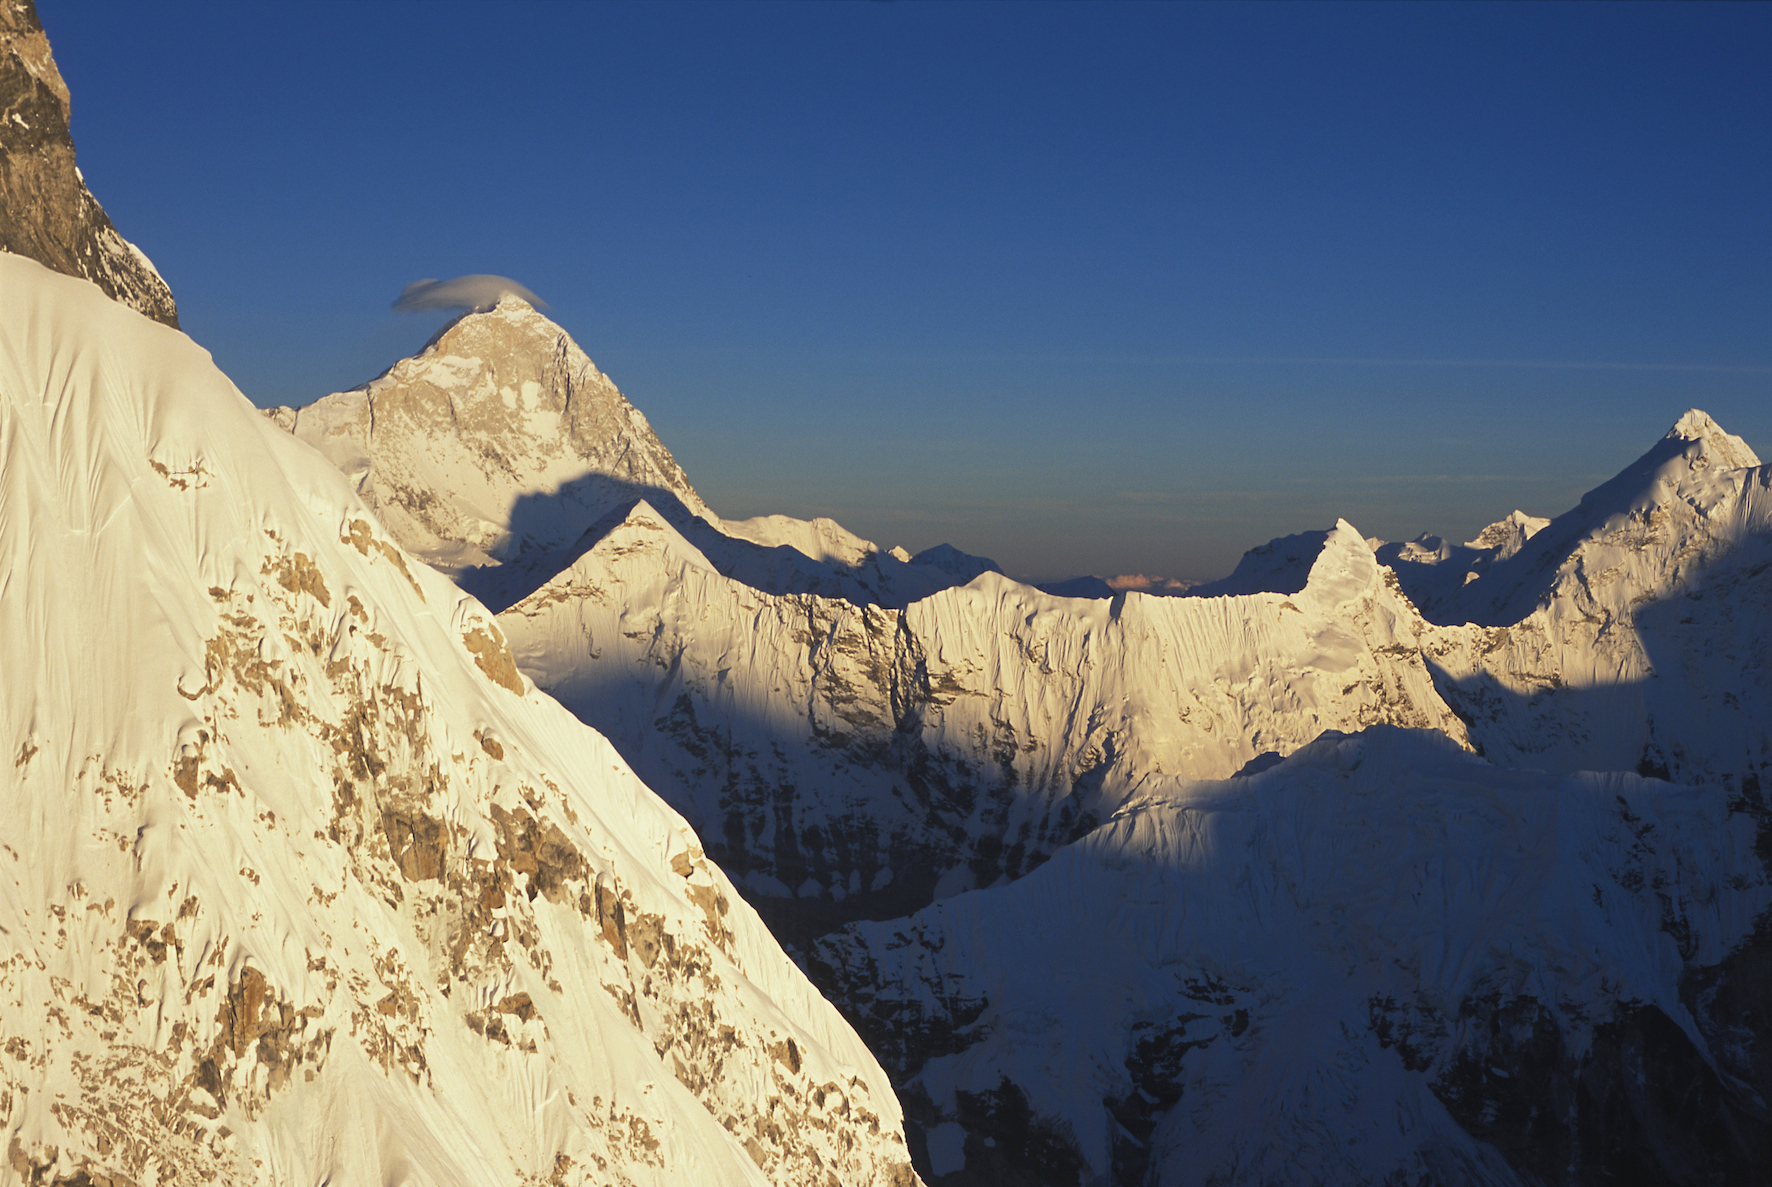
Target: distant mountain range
1118, 887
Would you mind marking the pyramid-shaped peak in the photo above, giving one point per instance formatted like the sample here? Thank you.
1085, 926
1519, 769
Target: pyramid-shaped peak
1725, 448
499, 438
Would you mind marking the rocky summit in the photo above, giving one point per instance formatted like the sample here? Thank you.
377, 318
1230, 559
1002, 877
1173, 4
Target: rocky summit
46, 212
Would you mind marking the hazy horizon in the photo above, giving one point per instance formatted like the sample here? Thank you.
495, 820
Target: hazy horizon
1104, 289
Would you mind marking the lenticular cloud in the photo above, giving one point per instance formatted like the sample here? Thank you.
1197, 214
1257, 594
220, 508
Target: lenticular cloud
479, 291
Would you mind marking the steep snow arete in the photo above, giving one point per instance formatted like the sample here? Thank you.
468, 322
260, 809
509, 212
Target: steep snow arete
302, 880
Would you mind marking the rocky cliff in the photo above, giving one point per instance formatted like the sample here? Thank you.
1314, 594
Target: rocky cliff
46, 212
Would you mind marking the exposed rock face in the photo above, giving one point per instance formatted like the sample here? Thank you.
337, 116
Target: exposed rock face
46, 211
302, 881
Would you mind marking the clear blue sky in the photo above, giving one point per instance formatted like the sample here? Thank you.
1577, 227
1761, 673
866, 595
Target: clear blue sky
1087, 288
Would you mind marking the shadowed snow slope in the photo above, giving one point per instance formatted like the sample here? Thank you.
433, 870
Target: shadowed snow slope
1383, 960
301, 880
1433, 571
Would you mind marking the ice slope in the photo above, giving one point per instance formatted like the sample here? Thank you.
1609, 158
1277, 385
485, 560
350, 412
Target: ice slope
495, 449
858, 760
1635, 631
1383, 960
301, 880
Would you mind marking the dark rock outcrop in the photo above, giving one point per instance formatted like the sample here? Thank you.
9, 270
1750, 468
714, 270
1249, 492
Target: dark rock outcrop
46, 211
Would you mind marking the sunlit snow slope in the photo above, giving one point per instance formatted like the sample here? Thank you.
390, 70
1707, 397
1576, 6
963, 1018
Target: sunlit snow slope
300, 880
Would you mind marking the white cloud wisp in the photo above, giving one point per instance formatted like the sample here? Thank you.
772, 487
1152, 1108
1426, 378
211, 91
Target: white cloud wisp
478, 291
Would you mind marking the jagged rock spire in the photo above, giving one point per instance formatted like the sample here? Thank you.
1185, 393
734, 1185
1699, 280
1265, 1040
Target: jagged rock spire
46, 211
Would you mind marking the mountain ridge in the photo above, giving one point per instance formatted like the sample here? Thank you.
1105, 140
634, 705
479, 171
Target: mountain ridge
870, 772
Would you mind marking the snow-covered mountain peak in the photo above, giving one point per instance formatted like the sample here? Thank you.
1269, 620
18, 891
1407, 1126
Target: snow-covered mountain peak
1507, 536
1333, 565
1720, 448
1345, 569
1694, 448
1634, 534
961, 566
640, 531
500, 439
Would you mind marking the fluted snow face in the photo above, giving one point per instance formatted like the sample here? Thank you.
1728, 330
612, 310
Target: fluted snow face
832, 751
500, 439
302, 880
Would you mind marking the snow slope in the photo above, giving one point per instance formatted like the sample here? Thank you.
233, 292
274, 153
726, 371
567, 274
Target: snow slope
302, 881
1383, 960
